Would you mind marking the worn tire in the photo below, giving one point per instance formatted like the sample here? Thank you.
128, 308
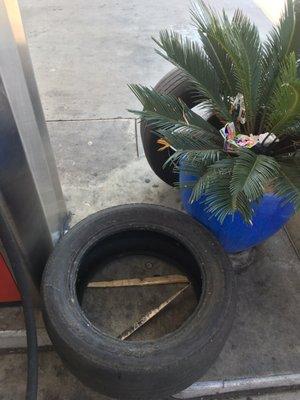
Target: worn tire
149, 369
175, 83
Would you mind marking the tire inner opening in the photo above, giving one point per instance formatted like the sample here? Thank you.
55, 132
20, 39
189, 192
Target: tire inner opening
137, 254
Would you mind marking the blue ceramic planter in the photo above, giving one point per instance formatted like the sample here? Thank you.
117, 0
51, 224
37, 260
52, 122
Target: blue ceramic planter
270, 214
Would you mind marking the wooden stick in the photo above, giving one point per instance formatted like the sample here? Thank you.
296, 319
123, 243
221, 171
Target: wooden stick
128, 332
153, 280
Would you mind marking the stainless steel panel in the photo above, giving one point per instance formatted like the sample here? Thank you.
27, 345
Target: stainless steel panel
29, 180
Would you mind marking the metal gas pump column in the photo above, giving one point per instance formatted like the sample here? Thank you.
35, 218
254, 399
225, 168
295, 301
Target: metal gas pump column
29, 182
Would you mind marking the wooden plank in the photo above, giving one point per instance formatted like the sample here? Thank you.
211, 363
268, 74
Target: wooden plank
153, 280
128, 332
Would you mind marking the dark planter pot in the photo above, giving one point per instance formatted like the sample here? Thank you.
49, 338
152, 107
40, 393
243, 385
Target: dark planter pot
270, 214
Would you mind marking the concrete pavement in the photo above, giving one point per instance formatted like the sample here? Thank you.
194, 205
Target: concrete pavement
84, 55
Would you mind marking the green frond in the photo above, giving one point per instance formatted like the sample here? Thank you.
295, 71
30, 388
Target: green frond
188, 138
285, 102
232, 60
203, 16
212, 186
248, 63
198, 164
168, 109
239, 39
194, 170
188, 56
219, 200
174, 121
217, 197
293, 129
251, 175
275, 50
279, 42
223, 166
287, 185
205, 22
197, 156
200, 187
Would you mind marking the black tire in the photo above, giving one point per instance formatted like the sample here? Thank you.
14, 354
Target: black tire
175, 83
149, 369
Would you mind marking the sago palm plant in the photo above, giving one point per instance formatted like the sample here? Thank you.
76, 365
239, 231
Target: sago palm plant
253, 88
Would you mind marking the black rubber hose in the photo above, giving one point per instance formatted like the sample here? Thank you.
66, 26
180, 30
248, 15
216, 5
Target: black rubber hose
19, 266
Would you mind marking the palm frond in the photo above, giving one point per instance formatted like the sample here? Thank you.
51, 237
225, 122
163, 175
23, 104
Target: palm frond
214, 187
188, 138
240, 41
205, 22
275, 50
168, 108
174, 121
211, 183
293, 129
285, 102
252, 174
188, 55
200, 187
219, 201
193, 170
248, 68
197, 157
279, 42
223, 166
233, 61
287, 184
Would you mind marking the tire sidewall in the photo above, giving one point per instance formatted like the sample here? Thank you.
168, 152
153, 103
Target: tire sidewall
175, 83
79, 342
